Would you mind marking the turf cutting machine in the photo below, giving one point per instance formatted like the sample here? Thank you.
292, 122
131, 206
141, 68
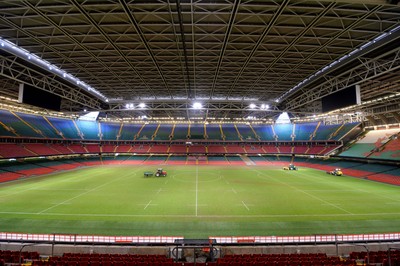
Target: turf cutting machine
290, 167
337, 172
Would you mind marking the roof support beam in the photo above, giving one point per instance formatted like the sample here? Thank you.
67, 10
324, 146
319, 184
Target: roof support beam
366, 69
20, 72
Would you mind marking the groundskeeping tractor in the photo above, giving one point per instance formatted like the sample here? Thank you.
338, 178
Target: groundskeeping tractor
290, 167
160, 172
336, 172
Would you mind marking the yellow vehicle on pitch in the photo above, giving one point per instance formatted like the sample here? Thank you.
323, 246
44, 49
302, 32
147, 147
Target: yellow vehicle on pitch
336, 172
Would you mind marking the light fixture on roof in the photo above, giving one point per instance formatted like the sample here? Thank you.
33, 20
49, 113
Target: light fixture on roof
197, 105
129, 106
142, 105
264, 106
252, 106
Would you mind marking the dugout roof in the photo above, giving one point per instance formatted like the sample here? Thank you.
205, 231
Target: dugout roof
225, 54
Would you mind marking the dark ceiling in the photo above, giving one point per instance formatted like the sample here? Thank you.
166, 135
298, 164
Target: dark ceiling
168, 54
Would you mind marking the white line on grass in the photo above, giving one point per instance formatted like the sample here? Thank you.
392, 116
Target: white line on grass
204, 216
197, 186
145, 207
244, 204
84, 193
234, 191
302, 191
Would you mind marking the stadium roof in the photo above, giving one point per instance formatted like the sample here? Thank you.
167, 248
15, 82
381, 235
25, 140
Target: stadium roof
280, 55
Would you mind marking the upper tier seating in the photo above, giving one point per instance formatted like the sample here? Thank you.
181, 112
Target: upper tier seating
284, 132
213, 132
196, 131
41, 124
109, 131
265, 132
66, 127
181, 132
164, 132
147, 132
89, 129
18, 126
129, 131
344, 130
304, 131
230, 132
324, 132
246, 132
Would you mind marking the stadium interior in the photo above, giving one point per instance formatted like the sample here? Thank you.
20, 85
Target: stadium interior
234, 83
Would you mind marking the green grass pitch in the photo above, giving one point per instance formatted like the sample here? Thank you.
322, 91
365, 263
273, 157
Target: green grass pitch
197, 202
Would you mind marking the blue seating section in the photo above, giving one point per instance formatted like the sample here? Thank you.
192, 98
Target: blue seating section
264, 132
197, 131
129, 131
164, 132
346, 128
65, 126
246, 132
147, 132
284, 131
4, 132
230, 132
88, 129
109, 131
21, 128
304, 131
324, 132
27, 125
181, 132
213, 132
41, 124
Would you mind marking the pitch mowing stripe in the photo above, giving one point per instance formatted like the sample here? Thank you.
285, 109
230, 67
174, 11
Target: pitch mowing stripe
352, 189
197, 188
244, 204
302, 191
86, 192
204, 216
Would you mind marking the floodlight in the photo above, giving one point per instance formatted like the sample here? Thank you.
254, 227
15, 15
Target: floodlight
197, 105
252, 106
142, 105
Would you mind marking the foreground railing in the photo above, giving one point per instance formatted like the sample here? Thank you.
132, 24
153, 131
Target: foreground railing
223, 240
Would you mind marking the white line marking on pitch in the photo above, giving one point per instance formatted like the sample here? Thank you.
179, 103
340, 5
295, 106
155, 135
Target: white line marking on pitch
303, 191
234, 191
205, 216
147, 205
197, 186
83, 193
158, 191
244, 204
